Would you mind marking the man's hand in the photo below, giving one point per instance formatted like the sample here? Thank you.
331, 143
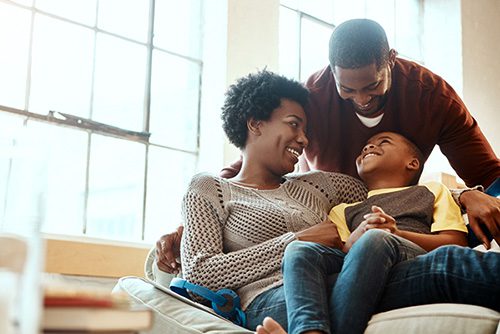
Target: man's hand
484, 210
167, 250
324, 233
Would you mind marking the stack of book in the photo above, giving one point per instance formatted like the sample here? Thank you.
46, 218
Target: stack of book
76, 310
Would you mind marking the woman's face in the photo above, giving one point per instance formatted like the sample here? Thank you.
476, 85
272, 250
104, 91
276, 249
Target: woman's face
283, 137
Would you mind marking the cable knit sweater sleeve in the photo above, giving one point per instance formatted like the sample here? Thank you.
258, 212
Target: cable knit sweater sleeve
204, 259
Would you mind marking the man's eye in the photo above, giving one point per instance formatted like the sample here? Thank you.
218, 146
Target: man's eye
294, 124
375, 86
383, 141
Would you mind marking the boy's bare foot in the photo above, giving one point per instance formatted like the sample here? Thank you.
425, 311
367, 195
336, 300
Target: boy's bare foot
269, 326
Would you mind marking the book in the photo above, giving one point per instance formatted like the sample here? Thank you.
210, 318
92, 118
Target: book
96, 319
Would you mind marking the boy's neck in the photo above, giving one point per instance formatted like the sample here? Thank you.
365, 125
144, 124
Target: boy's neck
383, 183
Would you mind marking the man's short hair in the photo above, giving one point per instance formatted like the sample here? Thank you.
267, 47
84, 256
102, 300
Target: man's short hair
358, 43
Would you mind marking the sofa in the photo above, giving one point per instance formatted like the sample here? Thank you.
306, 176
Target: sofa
175, 314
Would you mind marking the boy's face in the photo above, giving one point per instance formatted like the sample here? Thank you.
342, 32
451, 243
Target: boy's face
384, 153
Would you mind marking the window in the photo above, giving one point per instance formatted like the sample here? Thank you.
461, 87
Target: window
99, 114
306, 26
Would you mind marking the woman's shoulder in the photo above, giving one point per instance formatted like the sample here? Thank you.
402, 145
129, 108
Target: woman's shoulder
328, 177
204, 182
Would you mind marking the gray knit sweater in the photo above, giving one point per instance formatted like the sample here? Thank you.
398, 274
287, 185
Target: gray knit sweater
234, 237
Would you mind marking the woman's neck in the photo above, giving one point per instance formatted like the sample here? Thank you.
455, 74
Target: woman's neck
257, 177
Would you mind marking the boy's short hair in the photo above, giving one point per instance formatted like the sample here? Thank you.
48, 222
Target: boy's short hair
413, 148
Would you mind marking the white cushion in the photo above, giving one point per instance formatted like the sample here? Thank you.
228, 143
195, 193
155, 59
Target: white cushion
436, 318
174, 314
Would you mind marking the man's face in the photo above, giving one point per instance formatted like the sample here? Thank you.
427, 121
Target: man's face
365, 87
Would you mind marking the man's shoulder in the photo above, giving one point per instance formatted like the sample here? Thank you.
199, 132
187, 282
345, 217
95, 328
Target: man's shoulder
417, 73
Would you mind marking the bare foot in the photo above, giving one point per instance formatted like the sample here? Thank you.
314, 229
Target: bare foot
269, 326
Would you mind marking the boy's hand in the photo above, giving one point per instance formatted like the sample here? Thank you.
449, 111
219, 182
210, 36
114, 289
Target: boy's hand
379, 219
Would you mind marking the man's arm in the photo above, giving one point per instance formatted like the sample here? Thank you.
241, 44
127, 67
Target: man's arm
168, 250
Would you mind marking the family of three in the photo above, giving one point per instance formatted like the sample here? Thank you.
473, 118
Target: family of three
321, 252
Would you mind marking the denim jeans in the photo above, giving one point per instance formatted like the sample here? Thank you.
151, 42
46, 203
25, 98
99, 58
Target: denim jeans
367, 285
312, 302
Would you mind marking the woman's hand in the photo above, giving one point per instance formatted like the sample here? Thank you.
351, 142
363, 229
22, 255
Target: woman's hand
324, 233
483, 211
168, 248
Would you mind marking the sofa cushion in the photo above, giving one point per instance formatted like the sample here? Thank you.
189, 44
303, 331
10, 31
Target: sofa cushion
174, 314
436, 318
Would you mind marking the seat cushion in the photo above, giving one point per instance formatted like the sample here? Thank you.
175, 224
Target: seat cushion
175, 314
436, 318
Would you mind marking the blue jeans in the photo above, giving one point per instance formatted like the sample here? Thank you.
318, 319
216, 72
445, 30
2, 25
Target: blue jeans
450, 274
309, 274
314, 304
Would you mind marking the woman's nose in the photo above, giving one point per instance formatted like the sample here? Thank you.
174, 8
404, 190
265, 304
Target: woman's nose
302, 139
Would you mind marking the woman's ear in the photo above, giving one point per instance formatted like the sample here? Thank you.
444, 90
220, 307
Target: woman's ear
253, 126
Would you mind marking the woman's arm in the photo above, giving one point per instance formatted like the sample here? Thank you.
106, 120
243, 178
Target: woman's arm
203, 258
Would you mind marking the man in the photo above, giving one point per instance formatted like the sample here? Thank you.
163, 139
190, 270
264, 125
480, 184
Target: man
365, 90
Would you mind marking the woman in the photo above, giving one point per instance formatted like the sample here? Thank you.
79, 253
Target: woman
236, 230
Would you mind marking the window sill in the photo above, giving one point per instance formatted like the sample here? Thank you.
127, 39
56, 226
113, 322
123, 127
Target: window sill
93, 257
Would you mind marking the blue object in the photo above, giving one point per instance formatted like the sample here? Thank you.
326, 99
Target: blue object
225, 302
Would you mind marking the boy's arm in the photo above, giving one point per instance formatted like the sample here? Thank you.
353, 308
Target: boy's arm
379, 219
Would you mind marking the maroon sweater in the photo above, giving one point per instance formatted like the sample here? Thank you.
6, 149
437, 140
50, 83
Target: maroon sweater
420, 105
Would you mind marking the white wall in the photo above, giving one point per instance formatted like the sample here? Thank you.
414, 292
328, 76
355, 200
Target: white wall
481, 65
252, 44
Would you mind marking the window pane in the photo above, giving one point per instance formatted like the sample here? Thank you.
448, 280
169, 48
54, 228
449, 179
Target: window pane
322, 9
127, 18
345, 10
408, 25
119, 82
62, 67
65, 156
26, 184
314, 48
289, 43
169, 173
24, 2
382, 11
178, 26
82, 11
174, 101
14, 37
10, 127
116, 187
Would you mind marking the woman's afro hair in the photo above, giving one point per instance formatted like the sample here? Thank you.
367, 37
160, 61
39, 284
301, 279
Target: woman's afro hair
256, 96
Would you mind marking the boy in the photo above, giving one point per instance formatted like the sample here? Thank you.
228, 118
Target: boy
414, 219
425, 214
